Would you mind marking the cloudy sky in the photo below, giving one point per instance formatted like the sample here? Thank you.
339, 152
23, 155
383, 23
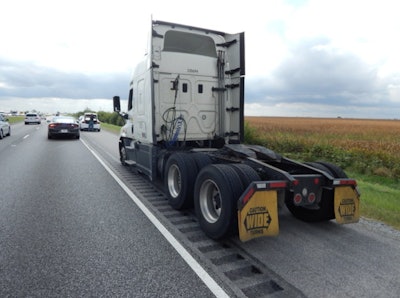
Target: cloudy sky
317, 58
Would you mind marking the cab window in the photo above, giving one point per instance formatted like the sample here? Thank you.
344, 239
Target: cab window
189, 43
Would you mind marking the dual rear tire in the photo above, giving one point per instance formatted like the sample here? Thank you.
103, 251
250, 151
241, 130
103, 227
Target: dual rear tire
213, 189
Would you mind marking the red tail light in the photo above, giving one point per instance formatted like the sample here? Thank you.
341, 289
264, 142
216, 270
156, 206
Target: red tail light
311, 197
297, 198
278, 184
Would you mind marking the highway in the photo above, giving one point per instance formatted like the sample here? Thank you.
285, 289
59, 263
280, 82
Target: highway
74, 222
68, 229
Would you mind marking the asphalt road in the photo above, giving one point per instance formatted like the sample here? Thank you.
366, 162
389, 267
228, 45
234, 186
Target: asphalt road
67, 229
331, 260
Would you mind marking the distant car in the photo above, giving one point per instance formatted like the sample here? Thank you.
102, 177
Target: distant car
84, 122
33, 118
5, 128
63, 126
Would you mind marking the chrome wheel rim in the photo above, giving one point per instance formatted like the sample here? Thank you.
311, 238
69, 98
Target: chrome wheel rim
210, 201
174, 181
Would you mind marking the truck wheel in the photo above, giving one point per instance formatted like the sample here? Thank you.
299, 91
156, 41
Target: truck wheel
246, 173
324, 211
179, 178
201, 160
122, 154
336, 171
216, 192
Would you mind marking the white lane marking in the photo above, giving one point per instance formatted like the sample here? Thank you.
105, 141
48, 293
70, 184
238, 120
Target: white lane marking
196, 267
27, 136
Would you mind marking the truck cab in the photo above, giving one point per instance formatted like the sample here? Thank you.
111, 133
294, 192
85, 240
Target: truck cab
188, 89
185, 127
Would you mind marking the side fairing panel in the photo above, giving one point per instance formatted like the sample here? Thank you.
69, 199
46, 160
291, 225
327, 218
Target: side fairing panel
235, 73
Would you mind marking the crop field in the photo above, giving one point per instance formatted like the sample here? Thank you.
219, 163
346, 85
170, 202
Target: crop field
365, 146
368, 150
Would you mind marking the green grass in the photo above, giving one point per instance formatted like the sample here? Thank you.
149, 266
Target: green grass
111, 127
380, 198
15, 119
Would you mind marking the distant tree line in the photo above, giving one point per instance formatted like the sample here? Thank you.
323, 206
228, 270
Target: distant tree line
107, 117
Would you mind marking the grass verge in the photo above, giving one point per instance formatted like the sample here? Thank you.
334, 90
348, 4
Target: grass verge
111, 127
379, 199
15, 119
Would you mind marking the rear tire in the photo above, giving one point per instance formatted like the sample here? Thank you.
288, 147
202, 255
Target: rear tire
201, 160
122, 154
217, 190
246, 173
324, 211
179, 178
336, 171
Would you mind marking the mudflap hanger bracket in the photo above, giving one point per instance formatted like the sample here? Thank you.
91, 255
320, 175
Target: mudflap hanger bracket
258, 210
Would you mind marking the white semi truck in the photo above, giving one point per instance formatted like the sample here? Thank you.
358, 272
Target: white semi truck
185, 128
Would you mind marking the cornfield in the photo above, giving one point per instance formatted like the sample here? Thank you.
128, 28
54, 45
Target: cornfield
365, 146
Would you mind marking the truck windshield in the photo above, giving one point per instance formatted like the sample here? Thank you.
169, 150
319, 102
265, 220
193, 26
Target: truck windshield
183, 42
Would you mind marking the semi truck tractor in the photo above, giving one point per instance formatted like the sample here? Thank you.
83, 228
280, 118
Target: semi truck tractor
185, 131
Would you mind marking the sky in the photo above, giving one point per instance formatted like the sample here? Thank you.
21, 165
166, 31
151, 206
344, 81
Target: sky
304, 58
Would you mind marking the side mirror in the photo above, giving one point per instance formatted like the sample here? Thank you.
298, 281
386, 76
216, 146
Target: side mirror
117, 104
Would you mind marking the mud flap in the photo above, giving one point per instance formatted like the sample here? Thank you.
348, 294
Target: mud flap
347, 204
258, 211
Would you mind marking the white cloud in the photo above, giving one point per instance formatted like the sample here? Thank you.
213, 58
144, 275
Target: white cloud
106, 38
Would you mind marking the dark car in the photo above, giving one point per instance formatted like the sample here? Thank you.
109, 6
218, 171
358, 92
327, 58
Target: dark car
63, 126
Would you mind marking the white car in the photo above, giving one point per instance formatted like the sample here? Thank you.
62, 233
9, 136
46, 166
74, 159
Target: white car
5, 128
85, 122
33, 118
